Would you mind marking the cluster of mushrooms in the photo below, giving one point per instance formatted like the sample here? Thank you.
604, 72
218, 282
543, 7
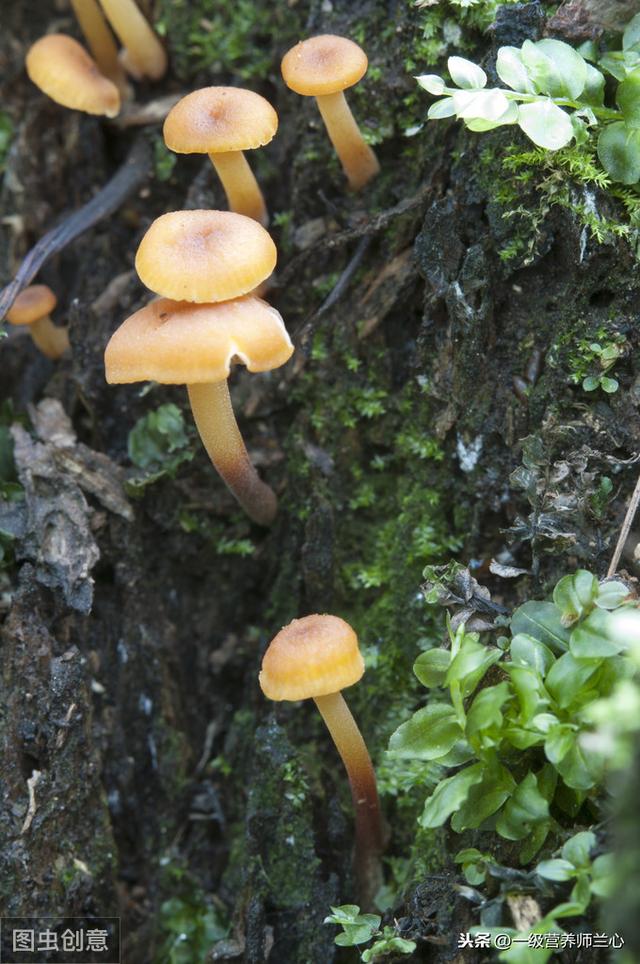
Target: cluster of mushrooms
208, 270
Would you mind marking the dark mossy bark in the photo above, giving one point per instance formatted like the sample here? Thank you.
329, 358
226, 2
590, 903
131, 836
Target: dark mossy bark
429, 414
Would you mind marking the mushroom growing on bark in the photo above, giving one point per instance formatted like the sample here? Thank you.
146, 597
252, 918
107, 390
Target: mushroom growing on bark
194, 345
223, 122
65, 72
316, 657
204, 256
32, 307
324, 67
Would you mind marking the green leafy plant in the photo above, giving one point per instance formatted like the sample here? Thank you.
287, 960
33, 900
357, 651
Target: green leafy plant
158, 444
601, 357
360, 928
515, 746
555, 95
589, 876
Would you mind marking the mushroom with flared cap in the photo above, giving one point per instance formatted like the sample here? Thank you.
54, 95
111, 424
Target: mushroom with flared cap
223, 122
204, 256
182, 343
316, 657
144, 54
100, 40
65, 72
32, 307
324, 67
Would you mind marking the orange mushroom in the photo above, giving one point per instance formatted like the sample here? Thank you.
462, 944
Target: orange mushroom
144, 55
32, 307
205, 256
316, 657
65, 72
223, 122
183, 343
100, 40
324, 67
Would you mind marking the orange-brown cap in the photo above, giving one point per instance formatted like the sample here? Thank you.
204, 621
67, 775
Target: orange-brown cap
323, 65
32, 304
313, 656
65, 72
179, 343
218, 119
205, 256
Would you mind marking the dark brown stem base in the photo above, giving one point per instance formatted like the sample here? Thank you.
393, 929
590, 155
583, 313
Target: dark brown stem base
362, 779
216, 423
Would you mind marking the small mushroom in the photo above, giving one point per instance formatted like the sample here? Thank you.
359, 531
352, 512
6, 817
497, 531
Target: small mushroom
65, 72
223, 122
32, 307
204, 256
194, 345
100, 40
324, 67
144, 55
316, 657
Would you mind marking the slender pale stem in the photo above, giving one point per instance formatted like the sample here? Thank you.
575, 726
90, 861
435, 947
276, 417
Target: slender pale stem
358, 160
216, 423
144, 50
624, 532
242, 189
52, 340
362, 779
101, 43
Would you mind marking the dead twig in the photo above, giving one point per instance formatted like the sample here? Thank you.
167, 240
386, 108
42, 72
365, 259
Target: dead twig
626, 529
31, 809
124, 182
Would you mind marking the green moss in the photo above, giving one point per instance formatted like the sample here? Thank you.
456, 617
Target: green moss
232, 35
527, 184
189, 921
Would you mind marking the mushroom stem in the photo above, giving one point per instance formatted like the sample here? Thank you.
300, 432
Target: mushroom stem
242, 190
362, 779
144, 50
358, 160
52, 340
216, 423
101, 42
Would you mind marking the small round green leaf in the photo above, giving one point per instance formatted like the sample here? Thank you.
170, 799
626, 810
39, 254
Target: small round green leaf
431, 667
619, 152
428, 735
512, 71
555, 68
449, 796
556, 869
466, 74
631, 35
628, 99
433, 83
441, 109
546, 124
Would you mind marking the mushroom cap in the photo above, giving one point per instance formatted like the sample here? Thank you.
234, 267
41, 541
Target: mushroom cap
205, 256
323, 65
214, 120
179, 343
313, 656
65, 72
32, 303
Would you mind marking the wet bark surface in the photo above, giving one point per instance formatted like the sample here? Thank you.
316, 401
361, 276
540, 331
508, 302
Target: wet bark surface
130, 638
